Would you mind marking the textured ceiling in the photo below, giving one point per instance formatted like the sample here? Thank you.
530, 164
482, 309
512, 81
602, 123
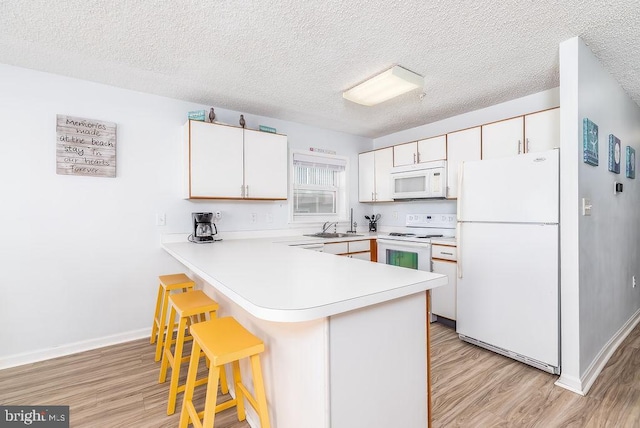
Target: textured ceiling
292, 59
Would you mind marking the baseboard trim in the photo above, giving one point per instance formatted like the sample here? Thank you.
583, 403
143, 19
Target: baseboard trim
72, 348
583, 385
570, 383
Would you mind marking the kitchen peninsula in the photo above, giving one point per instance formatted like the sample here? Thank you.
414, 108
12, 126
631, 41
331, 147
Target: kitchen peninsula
345, 339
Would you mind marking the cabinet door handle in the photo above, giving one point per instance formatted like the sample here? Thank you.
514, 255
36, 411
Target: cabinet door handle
527, 146
414, 158
519, 146
246, 191
372, 197
242, 191
418, 157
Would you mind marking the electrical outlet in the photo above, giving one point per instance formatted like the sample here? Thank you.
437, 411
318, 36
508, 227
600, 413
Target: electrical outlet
395, 215
161, 219
633, 281
218, 215
586, 206
254, 217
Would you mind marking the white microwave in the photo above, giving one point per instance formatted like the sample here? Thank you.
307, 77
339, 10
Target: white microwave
419, 181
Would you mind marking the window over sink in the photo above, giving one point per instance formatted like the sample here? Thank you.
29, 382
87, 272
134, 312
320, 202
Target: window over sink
318, 187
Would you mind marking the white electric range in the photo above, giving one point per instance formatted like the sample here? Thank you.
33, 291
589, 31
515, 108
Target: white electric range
412, 247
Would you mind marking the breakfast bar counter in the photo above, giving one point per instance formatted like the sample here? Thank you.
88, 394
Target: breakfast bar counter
346, 339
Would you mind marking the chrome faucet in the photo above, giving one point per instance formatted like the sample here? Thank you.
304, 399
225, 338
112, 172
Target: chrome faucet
327, 225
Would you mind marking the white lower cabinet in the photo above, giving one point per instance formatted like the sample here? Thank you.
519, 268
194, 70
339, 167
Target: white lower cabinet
361, 256
353, 249
443, 299
336, 248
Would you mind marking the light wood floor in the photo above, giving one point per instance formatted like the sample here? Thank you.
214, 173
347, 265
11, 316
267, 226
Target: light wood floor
117, 387
473, 387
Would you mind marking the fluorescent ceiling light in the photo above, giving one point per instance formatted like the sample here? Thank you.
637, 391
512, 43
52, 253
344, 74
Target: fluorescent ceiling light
384, 86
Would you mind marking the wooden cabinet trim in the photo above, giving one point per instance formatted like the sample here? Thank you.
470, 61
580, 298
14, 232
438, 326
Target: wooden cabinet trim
436, 259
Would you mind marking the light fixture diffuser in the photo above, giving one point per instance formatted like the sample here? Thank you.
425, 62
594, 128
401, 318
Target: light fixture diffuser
384, 86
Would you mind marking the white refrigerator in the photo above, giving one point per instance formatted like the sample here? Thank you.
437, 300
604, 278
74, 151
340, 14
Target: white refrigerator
508, 258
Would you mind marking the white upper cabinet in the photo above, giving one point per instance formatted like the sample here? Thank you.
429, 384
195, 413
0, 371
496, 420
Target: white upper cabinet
374, 179
214, 160
503, 139
366, 176
461, 146
432, 149
227, 162
426, 150
265, 165
384, 163
542, 130
405, 154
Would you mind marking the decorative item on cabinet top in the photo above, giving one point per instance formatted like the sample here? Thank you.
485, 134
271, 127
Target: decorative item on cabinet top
264, 128
197, 115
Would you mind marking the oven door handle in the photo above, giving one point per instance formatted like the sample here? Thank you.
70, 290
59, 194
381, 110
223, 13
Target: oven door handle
402, 244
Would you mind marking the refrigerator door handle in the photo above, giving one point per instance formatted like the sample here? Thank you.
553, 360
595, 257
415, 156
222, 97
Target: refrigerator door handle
459, 252
459, 211
458, 201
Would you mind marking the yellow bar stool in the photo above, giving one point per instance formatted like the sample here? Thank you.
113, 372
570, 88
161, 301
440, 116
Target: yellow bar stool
185, 305
168, 283
224, 340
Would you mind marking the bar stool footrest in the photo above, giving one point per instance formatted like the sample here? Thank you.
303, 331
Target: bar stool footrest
247, 395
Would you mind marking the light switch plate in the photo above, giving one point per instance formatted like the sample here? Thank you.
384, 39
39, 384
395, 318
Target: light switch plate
586, 206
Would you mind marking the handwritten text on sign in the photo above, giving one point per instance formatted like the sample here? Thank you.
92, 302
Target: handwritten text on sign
85, 147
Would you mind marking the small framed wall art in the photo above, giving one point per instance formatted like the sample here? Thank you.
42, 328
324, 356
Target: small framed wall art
589, 142
631, 162
614, 154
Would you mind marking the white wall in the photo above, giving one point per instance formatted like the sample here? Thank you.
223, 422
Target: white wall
600, 253
80, 255
394, 213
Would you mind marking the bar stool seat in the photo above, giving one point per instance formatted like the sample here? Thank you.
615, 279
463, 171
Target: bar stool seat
168, 283
224, 340
185, 305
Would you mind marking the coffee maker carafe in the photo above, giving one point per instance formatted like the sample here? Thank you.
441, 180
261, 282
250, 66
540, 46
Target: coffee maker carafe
203, 227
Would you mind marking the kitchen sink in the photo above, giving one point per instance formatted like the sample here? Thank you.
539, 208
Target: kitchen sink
332, 235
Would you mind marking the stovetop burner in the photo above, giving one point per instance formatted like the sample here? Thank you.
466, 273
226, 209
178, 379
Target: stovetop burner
412, 235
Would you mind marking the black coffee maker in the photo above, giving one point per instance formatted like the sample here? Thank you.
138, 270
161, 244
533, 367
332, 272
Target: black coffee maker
203, 227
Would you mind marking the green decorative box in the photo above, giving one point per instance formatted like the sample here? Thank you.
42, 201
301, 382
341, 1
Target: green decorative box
267, 129
197, 115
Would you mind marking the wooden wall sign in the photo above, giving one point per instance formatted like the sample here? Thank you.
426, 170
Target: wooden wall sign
85, 147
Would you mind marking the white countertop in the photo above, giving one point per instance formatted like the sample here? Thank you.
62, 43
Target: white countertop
277, 282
